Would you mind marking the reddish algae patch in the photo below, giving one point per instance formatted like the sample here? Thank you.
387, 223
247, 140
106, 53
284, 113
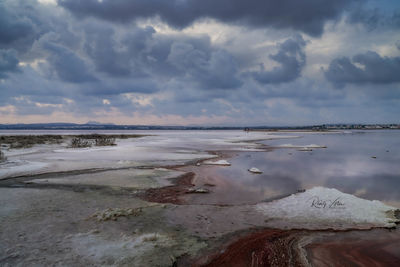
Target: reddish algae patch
170, 194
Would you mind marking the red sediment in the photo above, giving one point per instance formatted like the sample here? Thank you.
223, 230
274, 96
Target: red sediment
376, 253
170, 194
266, 248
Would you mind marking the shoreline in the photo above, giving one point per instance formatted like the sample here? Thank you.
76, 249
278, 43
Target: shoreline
278, 247
171, 214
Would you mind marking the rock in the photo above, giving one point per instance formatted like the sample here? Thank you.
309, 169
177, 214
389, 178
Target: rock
198, 190
114, 213
221, 162
254, 170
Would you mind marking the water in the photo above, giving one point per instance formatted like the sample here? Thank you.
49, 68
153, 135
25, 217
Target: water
347, 164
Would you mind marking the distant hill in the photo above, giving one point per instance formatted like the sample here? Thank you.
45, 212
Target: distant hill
99, 126
93, 125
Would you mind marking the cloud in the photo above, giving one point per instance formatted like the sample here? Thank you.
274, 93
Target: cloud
210, 69
21, 24
142, 59
144, 53
8, 62
13, 28
69, 67
291, 58
369, 67
101, 47
374, 18
308, 16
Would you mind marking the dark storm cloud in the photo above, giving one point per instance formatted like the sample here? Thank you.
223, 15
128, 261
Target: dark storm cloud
20, 24
210, 69
69, 66
291, 58
364, 68
52, 61
374, 18
12, 28
101, 47
8, 62
308, 15
142, 52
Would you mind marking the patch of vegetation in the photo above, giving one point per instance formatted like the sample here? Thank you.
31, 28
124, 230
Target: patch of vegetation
78, 142
26, 141
88, 141
116, 136
105, 141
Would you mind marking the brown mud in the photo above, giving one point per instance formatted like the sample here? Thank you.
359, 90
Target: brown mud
173, 194
271, 247
275, 247
170, 194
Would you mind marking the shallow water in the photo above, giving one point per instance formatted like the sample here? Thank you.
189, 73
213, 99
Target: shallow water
346, 164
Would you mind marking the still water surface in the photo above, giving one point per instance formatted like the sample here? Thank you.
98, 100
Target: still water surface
347, 164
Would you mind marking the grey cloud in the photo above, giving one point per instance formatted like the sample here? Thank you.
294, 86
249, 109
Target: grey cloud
92, 59
142, 52
101, 47
374, 18
69, 66
308, 15
291, 58
21, 24
211, 69
369, 67
118, 86
12, 28
8, 62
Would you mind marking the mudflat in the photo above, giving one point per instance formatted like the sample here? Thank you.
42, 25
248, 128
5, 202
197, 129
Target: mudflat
157, 201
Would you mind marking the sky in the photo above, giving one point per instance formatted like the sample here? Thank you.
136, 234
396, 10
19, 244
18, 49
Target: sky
200, 62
